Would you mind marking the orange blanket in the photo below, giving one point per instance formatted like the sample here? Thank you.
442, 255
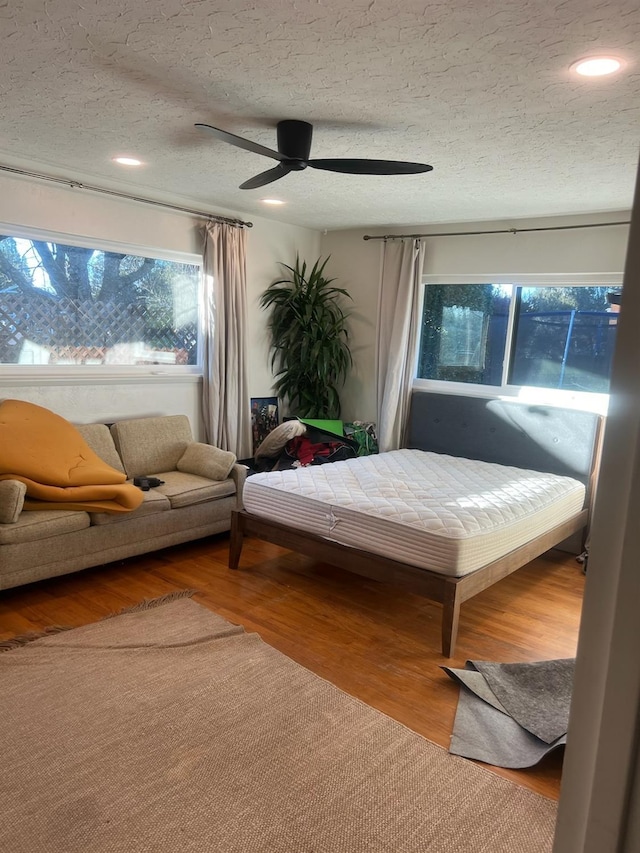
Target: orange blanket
59, 469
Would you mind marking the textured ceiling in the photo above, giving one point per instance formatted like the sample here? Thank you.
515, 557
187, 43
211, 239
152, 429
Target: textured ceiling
482, 91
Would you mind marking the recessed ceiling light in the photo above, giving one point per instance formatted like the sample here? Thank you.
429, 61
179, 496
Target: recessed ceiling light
127, 161
271, 201
597, 66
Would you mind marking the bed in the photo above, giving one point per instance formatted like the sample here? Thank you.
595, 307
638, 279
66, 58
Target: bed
483, 487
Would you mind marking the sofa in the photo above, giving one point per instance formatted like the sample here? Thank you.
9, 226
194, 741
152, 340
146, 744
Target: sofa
201, 486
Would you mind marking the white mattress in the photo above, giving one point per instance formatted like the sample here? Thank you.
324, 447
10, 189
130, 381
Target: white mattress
437, 512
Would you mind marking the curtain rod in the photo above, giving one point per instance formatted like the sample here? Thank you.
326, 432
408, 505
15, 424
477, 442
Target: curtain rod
77, 185
497, 231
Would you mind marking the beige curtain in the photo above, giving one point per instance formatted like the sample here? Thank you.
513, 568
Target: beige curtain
401, 274
225, 397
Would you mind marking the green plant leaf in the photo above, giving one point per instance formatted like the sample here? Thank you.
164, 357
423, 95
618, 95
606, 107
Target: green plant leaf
309, 338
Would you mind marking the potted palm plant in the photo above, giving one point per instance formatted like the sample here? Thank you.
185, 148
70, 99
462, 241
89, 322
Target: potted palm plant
310, 353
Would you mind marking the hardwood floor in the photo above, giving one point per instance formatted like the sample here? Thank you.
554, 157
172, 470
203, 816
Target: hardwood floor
371, 640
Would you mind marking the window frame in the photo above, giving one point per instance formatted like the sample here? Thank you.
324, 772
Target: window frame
98, 373
589, 401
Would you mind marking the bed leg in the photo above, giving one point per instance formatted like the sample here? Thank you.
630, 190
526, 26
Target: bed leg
450, 619
237, 539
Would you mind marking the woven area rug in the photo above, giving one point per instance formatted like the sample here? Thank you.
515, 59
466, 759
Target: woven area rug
171, 730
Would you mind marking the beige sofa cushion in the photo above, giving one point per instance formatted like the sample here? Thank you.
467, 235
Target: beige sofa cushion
99, 439
32, 526
185, 489
151, 445
206, 461
12, 494
152, 503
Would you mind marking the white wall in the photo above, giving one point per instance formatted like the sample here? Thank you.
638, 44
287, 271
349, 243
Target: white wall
36, 204
356, 263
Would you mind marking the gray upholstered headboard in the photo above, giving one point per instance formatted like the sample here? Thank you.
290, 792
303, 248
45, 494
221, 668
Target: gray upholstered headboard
541, 438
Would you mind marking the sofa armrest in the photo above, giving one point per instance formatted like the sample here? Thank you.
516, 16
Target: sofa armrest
12, 494
239, 475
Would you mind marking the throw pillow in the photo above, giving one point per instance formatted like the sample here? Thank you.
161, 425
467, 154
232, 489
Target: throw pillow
276, 440
207, 461
12, 494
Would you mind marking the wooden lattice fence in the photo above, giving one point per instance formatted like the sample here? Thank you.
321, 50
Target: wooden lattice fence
81, 331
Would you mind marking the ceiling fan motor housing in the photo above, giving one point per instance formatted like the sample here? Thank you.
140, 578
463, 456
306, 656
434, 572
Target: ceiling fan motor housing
294, 141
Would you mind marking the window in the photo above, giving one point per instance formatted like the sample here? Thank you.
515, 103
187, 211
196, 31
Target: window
69, 305
559, 336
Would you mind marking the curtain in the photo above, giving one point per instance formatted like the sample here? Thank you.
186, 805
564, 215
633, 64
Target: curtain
225, 398
401, 274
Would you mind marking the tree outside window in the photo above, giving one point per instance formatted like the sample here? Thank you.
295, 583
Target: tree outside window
72, 305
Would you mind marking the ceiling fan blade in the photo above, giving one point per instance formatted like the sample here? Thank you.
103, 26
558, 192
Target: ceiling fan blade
267, 177
239, 142
370, 167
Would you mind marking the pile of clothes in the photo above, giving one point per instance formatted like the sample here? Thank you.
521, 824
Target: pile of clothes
297, 442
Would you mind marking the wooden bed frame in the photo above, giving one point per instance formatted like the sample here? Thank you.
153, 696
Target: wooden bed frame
568, 444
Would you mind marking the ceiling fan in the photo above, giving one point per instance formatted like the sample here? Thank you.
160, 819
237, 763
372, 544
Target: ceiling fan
294, 147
